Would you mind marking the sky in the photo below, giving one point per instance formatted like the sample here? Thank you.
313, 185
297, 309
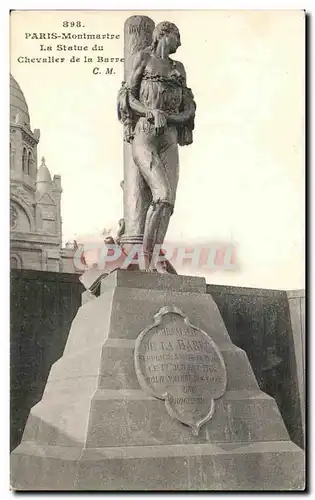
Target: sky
241, 181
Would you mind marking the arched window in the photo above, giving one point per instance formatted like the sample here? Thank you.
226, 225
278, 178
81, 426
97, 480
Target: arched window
15, 262
29, 162
12, 157
24, 161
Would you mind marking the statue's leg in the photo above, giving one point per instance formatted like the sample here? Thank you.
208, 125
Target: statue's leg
161, 207
137, 197
157, 158
157, 221
156, 175
169, 158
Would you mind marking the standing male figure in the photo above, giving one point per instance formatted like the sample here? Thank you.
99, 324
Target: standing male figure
157, 110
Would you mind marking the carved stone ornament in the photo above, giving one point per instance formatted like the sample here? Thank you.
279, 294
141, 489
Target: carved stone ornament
27, 137
13, 216
22, 194
181, 364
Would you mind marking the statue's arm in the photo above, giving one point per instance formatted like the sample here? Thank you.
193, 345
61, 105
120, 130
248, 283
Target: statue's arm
134, 81
188, 105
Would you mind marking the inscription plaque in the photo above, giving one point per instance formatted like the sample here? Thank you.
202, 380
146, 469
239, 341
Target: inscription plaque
181, 364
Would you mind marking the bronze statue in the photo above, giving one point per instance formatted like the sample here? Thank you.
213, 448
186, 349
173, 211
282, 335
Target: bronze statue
157, 110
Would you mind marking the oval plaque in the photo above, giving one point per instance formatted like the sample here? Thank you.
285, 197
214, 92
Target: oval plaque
178, 362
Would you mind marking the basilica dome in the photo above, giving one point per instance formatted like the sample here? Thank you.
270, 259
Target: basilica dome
43, 174
18, 106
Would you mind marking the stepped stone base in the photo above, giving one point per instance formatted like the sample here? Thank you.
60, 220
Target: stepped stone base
96, 429
216, 467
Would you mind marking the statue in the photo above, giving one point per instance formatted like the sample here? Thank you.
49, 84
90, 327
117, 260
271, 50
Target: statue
157, 110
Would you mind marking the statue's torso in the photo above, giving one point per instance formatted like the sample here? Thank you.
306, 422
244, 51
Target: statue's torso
161, 85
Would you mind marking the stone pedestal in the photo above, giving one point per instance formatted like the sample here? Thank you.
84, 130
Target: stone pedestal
96, 429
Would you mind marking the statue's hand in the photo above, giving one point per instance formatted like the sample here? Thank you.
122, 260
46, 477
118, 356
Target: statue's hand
160, 121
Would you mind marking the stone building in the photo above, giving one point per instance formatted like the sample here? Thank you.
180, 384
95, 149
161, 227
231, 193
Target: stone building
35, 216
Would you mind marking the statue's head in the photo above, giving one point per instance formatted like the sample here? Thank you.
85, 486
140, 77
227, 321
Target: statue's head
167, 33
